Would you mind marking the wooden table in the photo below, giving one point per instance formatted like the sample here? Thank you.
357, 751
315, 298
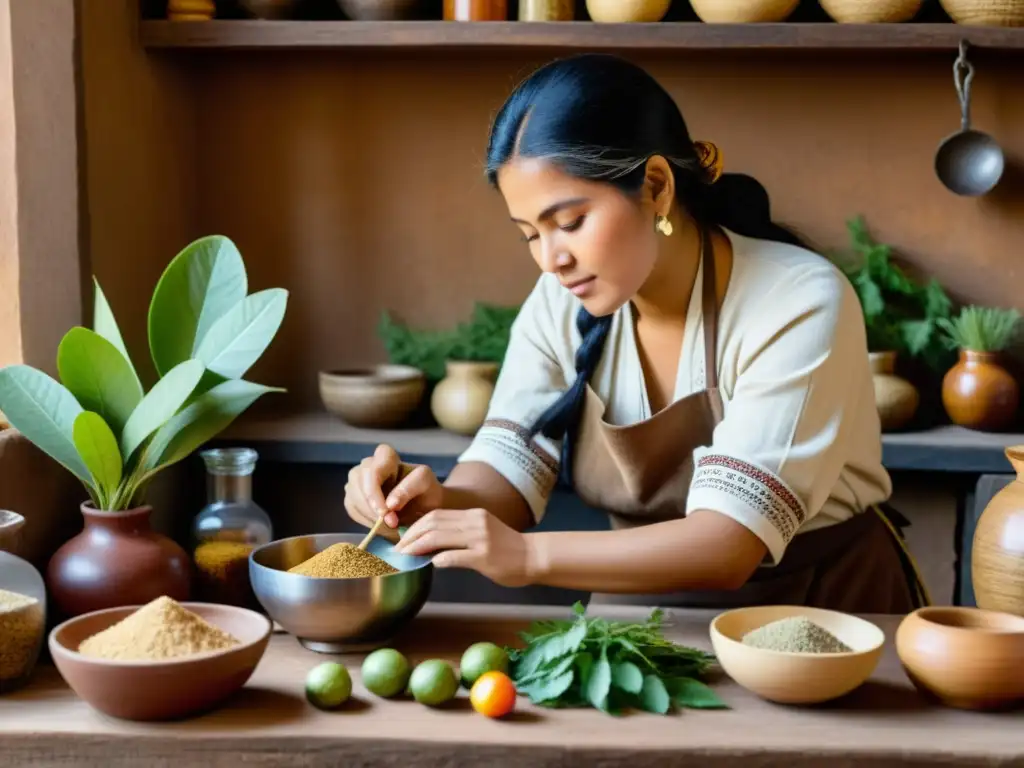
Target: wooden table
885, 723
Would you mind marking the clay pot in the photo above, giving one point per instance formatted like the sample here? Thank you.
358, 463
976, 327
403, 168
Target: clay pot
743, 11
460, 400
475, 10
979, 393
623, 11
117, 560
871, 11
895, 397
997, 565
377, 397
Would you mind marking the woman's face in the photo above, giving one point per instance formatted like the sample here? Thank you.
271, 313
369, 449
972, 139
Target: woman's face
598, 241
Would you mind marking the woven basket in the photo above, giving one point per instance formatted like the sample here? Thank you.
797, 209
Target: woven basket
985, 13
871, 11
743, 11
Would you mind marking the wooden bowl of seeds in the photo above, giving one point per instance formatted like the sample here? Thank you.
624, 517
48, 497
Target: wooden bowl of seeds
791, 654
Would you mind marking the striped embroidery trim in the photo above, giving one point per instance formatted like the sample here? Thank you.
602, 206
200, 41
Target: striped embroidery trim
523, 434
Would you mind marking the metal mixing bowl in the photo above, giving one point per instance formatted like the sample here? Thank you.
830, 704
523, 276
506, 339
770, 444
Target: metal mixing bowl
338, 615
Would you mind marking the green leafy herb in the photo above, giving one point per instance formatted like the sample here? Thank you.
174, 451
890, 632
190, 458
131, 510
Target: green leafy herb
982, 329
610, 666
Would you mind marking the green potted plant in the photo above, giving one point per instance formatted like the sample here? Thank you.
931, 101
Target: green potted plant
205, 332
902, 319
978, 392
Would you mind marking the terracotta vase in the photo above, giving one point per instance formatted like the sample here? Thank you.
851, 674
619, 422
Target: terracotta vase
460, 400
997, 553
117, 559
979, 393
895, 397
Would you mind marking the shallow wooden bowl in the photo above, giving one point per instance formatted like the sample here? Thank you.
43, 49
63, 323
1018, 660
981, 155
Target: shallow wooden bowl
796, 678
967, 658
374, 397
160, 690
743, 11
627, 11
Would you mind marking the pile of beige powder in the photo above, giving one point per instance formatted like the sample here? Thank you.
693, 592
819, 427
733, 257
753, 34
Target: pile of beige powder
22, 624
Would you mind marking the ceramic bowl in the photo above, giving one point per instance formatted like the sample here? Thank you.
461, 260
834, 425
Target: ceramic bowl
627, 11
796, 678
743, 11
160, 690
339, 615
376, 397
967, 658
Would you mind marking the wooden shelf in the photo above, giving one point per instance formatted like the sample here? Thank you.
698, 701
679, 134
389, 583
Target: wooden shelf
319, 438
585, 35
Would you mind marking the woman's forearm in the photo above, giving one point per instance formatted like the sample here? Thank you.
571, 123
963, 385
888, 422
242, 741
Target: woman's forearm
704, 551
472, 485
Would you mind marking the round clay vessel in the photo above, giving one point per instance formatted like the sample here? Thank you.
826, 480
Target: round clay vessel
743, 11
375, 397
117, 559
966, 658
623, 11
871, 11
985, 13
461, 399
997, 553
979, 393
895, 397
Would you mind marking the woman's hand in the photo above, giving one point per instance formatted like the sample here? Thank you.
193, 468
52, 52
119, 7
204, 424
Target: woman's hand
416, 491
475, 539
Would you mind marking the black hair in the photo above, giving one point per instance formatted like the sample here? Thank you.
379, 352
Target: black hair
600, 117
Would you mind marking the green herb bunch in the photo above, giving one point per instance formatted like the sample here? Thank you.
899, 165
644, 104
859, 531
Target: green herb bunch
484, 338
900, 314
981, 329
610, 665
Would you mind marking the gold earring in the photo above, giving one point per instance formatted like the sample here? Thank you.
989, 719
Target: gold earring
663, 225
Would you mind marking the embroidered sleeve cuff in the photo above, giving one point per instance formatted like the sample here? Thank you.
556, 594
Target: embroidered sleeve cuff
506, 447
749, 494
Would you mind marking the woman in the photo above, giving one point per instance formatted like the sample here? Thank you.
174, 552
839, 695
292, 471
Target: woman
684, 364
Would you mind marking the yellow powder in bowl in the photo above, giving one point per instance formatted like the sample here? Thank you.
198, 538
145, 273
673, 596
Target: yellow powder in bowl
160, 630
343, 561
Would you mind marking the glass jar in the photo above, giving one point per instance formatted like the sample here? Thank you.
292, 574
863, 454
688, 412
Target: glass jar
228, 528
22, 608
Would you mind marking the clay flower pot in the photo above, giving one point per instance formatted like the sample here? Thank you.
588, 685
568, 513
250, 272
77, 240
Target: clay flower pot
117, 560
895, 397
460, 400
979, 393
997, 554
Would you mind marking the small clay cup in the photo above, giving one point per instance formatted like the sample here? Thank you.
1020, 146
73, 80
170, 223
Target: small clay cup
160, 690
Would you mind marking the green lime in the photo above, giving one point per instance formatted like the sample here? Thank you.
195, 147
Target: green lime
433, 682
328, 685
386, 672
480, 658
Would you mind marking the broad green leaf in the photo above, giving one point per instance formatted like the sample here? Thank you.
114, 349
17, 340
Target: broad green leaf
44, 412
97, 446
687, 692
653, 696
627, 676
104, 323
200, 421
99, 376
204, 281
239, 336
548, 688
599, 683
160, 404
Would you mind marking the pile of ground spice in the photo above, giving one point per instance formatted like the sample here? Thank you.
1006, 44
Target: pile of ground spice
21, 631
343, 561
161, 629
795, 634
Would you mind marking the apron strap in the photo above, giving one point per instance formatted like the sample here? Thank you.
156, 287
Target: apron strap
895, 522
709, 310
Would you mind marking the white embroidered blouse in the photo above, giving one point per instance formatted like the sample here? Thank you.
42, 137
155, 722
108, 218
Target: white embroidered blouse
800, 423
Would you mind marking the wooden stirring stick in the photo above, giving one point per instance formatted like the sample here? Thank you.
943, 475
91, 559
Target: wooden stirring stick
385, 488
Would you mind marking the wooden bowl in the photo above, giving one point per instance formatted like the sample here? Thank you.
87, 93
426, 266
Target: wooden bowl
160, 690
967, 658
623, 11
985, 13
743, 11
796, 678
871, 11
377, 397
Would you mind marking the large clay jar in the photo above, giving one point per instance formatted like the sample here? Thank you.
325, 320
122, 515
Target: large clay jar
997, 554
979, 393
460, 400
895, 397
117, 559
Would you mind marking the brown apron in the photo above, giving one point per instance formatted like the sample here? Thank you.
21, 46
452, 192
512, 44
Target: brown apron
641, 473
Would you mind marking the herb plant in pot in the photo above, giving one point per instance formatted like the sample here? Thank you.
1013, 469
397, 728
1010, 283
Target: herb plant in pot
205, 332
978, 392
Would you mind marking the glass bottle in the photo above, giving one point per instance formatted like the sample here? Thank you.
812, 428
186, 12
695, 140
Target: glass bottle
22, 608
228, 528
